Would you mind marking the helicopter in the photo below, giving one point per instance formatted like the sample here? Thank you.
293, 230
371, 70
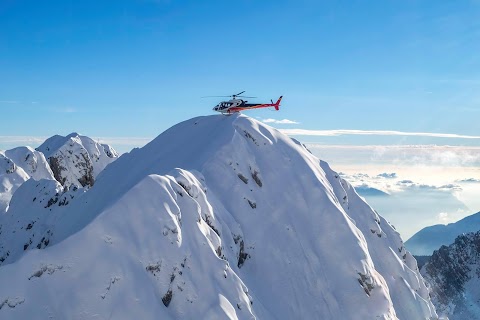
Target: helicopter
236, 105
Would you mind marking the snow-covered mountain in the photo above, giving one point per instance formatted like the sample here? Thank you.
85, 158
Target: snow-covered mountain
217, 218
425, 241
71, 160
17, 166
453, 273
77, 159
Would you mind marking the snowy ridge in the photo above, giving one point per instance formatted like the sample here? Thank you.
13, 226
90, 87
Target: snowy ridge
27, 223
17, 166
218, 217
31, 161
77, 159
387, 251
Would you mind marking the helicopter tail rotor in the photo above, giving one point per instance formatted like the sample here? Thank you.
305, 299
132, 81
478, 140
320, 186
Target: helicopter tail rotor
277, 104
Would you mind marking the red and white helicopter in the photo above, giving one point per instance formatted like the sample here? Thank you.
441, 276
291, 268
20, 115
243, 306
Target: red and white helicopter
236, 105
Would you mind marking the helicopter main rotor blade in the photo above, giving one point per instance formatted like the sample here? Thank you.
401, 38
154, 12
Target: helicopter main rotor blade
215, 97
233, 95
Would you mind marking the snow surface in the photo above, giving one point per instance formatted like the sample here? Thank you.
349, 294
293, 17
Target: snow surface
429, 239
217, 218
77, 159
17, 166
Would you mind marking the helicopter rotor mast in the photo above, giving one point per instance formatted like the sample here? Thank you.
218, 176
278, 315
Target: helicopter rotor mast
234, 96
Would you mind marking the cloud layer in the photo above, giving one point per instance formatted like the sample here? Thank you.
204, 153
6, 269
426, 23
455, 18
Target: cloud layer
409, 205
284, 121
404, 155
468, 180
333, 133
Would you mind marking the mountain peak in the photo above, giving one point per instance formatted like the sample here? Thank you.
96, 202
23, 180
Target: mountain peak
219, 217
76, 159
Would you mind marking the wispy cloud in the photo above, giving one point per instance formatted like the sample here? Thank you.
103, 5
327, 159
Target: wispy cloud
9, 142
333, 133
468, 180
284, 121
17, 102
402, 155
9, 101
20, 139
409, 184
386, 175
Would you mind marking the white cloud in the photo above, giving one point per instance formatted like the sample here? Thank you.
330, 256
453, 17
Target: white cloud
21, 140
410, 205
468, 180
333, 133
9, 101
398, 155
443, 217
284, 121
451, 186
386, 175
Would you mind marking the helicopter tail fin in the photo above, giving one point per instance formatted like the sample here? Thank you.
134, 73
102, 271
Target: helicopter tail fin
277, 104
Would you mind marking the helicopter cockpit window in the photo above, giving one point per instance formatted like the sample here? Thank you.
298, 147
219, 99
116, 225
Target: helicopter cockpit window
224, 105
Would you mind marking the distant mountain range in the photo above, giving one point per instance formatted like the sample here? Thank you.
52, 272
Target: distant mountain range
450, 262
367, 191
425, 241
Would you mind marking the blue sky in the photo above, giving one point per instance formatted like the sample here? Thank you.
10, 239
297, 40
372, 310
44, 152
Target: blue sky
135, 68
355, 75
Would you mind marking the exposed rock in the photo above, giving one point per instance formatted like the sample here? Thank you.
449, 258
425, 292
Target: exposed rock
453, 273
77, 159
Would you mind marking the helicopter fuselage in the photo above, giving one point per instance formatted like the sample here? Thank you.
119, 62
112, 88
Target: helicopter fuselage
237, 105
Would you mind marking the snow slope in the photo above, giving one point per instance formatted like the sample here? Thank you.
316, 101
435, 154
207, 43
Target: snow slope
28, 219
17, 166
425, 241
218, 217
77, 159
31, 161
